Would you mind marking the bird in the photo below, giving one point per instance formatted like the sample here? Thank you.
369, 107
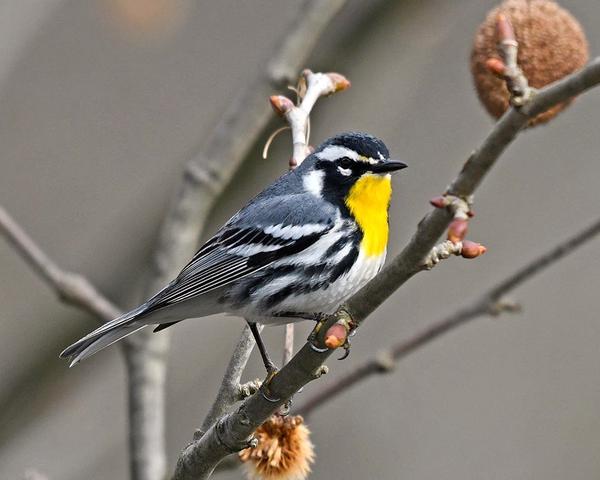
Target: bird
296, 251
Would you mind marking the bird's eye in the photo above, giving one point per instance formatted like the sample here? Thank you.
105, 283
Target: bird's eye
345, 162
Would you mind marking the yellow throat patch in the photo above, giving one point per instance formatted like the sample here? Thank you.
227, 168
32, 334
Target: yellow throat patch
368, 201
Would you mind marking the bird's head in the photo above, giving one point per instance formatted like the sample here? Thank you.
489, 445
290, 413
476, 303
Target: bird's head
347, 162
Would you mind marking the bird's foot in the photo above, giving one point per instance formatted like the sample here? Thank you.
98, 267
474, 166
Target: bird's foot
320, 318
337, 335
265, 388
346, 346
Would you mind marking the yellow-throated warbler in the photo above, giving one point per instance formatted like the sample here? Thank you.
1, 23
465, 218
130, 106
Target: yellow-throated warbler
297, 250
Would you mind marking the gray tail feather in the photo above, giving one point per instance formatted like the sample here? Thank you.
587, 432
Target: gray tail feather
104, 336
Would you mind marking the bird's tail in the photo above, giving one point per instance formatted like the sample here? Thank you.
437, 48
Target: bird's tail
104, 336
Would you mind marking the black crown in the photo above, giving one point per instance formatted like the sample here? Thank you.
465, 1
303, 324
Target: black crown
362, 143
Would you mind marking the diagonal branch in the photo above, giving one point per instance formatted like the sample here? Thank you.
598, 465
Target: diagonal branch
228, 391
70, 287
432, 226
489, 303
232, 432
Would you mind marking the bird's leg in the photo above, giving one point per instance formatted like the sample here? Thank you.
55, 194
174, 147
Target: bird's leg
269, 364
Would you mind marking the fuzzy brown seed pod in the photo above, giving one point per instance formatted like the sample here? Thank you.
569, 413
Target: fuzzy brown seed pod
284, 450
551, 42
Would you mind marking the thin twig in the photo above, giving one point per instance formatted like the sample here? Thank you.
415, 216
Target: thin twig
489, 303
312, 87
231, 432
228, 391
516, 82
71, 288
288, 343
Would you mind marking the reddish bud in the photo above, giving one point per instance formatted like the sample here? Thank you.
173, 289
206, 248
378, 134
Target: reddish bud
505, 29
457, 230
439, 202
496, 66
335, 336
281, 104
339, 82
472, 249
470, 214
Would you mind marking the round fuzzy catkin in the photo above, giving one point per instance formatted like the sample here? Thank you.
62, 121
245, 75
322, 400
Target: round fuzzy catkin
551, 45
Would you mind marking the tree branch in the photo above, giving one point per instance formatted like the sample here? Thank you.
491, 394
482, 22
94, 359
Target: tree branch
432, 226
232, 432
71, 288
489, 303
229, 390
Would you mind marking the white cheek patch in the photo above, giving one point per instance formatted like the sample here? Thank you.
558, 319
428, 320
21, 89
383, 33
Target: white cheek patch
335, 152
346, 172
313, 182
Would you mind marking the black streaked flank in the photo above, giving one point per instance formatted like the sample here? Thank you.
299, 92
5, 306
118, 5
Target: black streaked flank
317, 277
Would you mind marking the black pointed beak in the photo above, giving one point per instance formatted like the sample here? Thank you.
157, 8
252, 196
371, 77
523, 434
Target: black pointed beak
388, 166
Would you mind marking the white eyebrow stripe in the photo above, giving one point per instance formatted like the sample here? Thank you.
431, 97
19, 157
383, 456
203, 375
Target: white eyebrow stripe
334, 152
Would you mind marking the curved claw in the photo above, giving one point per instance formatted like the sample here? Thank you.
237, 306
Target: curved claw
346, 347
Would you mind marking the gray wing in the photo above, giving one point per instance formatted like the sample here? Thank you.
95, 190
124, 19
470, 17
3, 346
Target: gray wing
273, 226
265, 231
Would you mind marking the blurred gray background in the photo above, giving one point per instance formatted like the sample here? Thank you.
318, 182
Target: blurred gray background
101, 103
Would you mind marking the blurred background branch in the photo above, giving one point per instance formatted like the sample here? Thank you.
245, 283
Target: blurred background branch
71, 288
